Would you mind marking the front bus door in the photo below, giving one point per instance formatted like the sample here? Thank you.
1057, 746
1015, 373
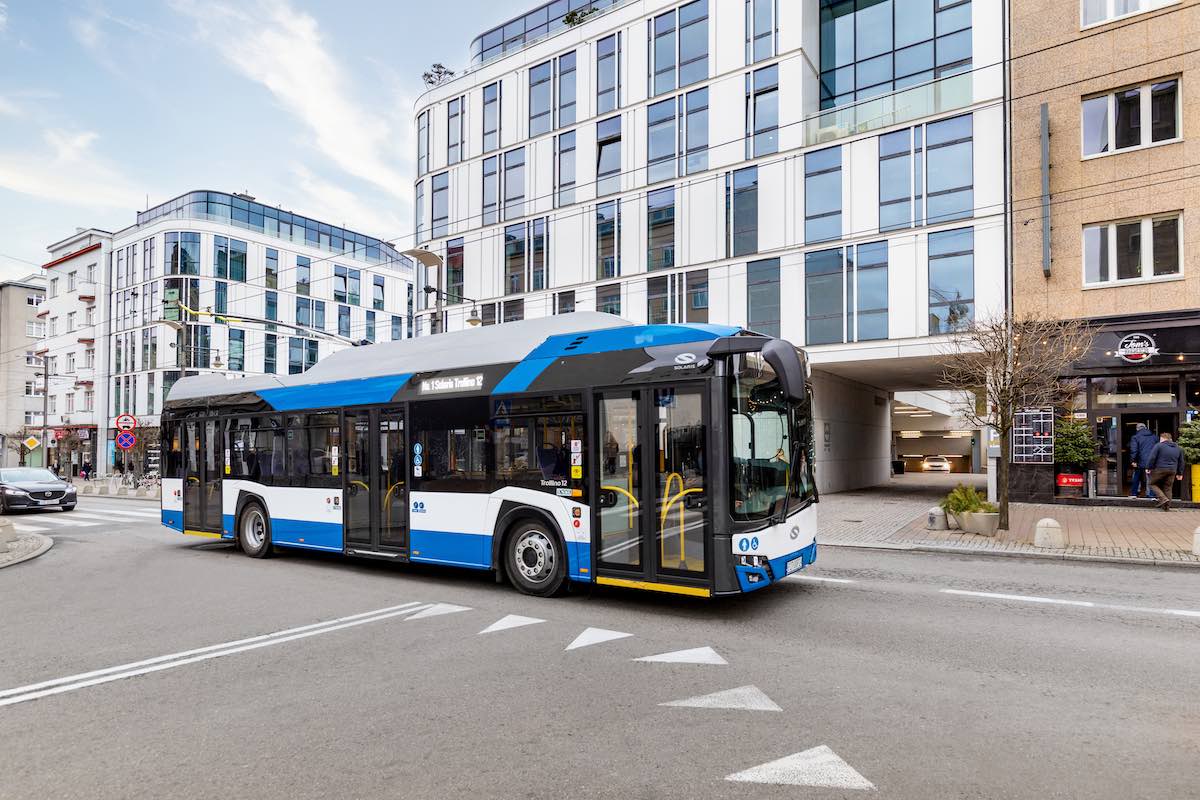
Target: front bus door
202, 477
651, 522
376, 489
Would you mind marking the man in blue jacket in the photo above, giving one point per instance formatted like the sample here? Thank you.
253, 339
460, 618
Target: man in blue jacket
1140, 445
1166, 463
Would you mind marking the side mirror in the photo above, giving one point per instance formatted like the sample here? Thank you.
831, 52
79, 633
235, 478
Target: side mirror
789, 366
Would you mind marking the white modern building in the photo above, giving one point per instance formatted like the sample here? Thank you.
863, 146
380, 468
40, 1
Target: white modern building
259, 290
830, 173
75, 348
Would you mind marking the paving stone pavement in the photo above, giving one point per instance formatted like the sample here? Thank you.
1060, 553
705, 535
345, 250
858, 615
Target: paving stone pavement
26, 546
893, 515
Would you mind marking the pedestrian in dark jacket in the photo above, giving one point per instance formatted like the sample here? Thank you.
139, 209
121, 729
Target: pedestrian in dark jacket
1166, 464
1140, 445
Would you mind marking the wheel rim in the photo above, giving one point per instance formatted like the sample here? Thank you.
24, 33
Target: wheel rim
254, 529
535, 556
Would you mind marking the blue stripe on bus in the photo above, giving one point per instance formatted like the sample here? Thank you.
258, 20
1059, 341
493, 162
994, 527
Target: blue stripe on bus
173, 519
627, 338
579, 561
303, 533
457, 549
522, 375
356, 392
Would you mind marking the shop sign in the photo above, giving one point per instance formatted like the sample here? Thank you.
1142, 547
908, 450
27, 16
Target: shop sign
1136, 348
1069, 481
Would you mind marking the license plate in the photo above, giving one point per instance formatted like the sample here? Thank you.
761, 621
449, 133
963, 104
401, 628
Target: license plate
795, 565
47, 502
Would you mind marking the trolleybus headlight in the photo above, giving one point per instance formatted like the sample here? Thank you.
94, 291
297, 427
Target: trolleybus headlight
752, 561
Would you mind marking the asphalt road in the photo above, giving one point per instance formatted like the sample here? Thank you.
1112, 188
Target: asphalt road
920, 692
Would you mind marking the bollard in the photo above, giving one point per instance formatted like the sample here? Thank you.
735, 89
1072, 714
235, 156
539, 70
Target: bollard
141, 491
1049, 534
936, 520
1196, 542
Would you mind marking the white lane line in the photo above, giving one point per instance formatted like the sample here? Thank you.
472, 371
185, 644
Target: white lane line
23, 528
1024, 598
66, 683
798, 577
124, 513
55, 521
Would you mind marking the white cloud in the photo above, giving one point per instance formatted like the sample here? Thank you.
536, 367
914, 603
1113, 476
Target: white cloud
3, 16
9, 107
272, 43
66, 170
337, 205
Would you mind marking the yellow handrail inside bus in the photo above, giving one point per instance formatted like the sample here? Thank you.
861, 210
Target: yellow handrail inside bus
387, 504
663, 524
633, 503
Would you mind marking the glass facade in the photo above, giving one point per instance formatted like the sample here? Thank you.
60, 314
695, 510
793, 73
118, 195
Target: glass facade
660, 222
823, 195
762, 296
608, 73
564, 169
846, 294
762, 112
762, 29
608, 156
951, 280
678, 47
872, 47
530, 27
608, 239
741, 212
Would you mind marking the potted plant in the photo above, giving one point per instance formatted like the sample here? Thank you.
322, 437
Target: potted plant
1075, 450
1189, 440
971, 510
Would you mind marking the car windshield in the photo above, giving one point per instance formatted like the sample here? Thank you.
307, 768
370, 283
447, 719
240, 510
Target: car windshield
770, 443
26, 475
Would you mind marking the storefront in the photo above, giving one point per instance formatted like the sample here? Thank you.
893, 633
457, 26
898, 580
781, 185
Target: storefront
72, 447
1139, 371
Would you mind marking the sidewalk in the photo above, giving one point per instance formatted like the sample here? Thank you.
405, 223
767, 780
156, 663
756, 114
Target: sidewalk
25, 547
893, 516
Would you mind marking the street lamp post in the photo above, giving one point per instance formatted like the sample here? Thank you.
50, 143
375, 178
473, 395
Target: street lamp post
473, 319
429, 259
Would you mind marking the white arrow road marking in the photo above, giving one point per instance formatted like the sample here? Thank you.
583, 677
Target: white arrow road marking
697, 655
70, 683
511, 621
595, 636
745, 698
1026, 598
438, 609
818, 766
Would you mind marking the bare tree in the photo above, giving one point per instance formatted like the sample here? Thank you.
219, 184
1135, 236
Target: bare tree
1009, 364
437, 75
15, 441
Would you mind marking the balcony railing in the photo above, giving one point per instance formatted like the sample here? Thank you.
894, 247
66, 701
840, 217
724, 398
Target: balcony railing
926, 100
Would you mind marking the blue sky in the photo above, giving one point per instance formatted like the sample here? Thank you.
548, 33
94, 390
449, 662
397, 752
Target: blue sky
305, 104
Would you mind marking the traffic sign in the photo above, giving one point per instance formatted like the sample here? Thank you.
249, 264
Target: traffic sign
125, 422
30, 443
126, 440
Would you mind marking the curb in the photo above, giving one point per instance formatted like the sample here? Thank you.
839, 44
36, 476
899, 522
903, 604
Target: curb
45, 545
1056, 556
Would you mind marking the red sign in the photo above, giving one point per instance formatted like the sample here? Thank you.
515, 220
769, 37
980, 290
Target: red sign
126, 440
125, 422
1067, 480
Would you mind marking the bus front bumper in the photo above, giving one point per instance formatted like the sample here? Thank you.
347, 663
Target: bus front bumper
774, 570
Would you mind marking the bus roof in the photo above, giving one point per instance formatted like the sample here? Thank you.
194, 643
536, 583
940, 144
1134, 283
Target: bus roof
382, 369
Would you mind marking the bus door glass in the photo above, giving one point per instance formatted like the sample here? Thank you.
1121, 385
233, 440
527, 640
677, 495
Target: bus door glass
391, 488
193, 502
214, 464
618, 528
681, 518
357, 520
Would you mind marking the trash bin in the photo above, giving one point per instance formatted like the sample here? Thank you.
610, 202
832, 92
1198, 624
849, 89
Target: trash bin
898, 467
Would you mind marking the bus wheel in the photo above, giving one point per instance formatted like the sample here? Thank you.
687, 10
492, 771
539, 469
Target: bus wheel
534, 558
254, 531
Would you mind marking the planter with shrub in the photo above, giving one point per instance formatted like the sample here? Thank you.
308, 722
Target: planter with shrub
971, 510
1189, 440
1075, 451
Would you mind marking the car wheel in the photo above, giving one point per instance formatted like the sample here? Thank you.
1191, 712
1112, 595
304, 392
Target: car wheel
254, 531
535, 560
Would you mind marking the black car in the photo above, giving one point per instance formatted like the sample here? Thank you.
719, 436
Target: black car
34, 487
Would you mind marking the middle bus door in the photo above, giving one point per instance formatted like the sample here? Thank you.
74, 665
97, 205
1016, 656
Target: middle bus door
376, 484
651, 516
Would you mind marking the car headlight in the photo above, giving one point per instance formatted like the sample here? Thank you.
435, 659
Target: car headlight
15, 492
70, 490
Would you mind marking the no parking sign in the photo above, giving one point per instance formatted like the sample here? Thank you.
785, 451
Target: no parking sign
126, 440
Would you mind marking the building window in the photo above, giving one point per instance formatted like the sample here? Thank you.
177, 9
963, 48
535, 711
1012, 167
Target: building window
661, 140
272, 279
949, 162
237, 350
295, 356
318, 315
566, 89
270, 353
824, 303
870, 309
89, 358
147, 261
70, 321
303, 275
525, 249
441, 204
741, 212
34, 300
455, 129
397, 328
514, 258
608, 73
762, 296
423, 142
514, 183
455, 272
541, 93
370, 327
488, 314
608, 156
845, 292
491, 190
271, 310
901, 179
762, 112
1132, 250
71, 281
514, 310
762, 29
1113, 121
677, 136
564, 172
346, 285
564, 302
678, 47
608, 240
183, 253
608, 299
886, 46
823, 195
1095, 12
229, 258
491, 117
343, 321
221, 304
53, 288
695, 134
377, 294
419, 211
677, 298
304, 312
951, 280
660, 222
